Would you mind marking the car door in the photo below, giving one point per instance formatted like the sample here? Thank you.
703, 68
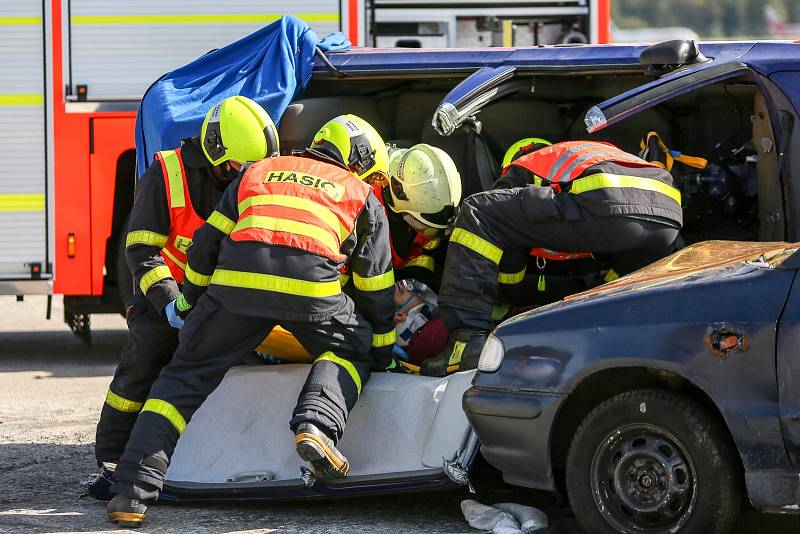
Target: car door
788, 366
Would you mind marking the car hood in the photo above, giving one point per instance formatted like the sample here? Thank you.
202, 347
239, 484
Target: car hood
708, 258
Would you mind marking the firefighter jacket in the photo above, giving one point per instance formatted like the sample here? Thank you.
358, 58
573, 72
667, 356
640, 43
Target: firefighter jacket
279, 236
600, 178
172, 198
415, 253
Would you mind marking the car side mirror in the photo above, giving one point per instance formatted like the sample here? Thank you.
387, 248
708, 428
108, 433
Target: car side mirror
665, 57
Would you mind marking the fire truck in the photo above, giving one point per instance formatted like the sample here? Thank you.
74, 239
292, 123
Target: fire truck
75, 70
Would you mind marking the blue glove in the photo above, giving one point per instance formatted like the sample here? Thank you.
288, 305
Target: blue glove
400, 353
172, 315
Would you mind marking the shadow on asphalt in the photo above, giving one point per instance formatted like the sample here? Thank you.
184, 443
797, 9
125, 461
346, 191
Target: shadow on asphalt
59, 352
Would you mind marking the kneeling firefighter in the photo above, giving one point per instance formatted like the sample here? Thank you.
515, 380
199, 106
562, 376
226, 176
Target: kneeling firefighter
585, 197
173, 198
283, 230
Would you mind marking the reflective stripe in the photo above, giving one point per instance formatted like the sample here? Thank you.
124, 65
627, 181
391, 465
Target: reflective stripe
343, 279
603, 180
152, 276
216, 18
455, 356
293, 227
374, 283
197, 278
15, 202
511, 278
566, 173
563, 158
32, 99
477, 244
221, 222
537, 180
297, 203
162, 407
145, 237
278, 284
384, 340
433, 244
424, 261
347, 365
175, 176
610, 276
121, 403
171, 256
20, 21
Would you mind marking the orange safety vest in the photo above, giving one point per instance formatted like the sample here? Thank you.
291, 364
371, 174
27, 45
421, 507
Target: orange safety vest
300, 203
183, 219
419, 245
559, 164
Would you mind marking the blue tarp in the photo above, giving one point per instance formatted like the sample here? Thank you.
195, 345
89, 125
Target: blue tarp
271, 66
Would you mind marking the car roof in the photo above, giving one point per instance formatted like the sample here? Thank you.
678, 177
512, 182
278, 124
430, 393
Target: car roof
770, 55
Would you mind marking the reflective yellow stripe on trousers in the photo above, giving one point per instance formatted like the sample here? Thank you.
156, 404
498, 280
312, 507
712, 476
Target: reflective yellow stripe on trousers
477, 244
166, 409
121, 403
603, 180
347, 365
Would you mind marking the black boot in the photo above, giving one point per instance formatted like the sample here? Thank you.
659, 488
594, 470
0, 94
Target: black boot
100, 486
461, 353
126, 512
320, 451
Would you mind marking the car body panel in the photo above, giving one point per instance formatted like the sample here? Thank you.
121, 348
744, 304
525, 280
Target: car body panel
551, 351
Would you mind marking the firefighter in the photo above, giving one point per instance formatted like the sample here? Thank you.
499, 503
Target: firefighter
583, 196
421, 197
282, 231
176, 193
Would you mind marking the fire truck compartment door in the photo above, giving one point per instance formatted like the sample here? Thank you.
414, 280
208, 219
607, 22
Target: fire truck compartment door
23, 156
119, 48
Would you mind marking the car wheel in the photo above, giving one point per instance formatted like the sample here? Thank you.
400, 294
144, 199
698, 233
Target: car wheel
653, 461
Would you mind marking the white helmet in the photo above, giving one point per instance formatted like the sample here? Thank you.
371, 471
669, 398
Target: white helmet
424, 182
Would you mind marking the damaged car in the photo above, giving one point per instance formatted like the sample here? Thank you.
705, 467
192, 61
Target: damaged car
658, 398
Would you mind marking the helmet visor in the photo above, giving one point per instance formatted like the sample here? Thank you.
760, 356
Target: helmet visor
440, 219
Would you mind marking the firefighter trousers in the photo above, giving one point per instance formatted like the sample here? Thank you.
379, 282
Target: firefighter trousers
213, 340
502, 226
151, 342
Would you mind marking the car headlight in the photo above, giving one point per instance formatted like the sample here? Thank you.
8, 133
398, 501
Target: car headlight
491, 355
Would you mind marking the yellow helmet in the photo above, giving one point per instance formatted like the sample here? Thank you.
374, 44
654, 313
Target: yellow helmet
354, 142
424, 183
524, 146
238, 129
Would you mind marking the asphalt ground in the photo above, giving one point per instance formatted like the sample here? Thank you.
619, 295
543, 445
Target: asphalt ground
52, 388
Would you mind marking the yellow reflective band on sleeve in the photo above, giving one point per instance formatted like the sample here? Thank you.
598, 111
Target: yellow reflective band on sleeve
171, 256
175, 176
14, 202
384, 340
145, 237
424, 262
278, 284
477, 244
154, 275
603, 180
220, 222
347, 365
343, 279
298, 203
121, 403
162, 407
433, 244
15, 99
197, 278
610, 276
293, 227
511, 278
374, 283
20, 21
537, 180
216, 18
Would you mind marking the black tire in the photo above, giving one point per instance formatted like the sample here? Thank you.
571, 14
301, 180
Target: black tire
124, 277
653, 461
